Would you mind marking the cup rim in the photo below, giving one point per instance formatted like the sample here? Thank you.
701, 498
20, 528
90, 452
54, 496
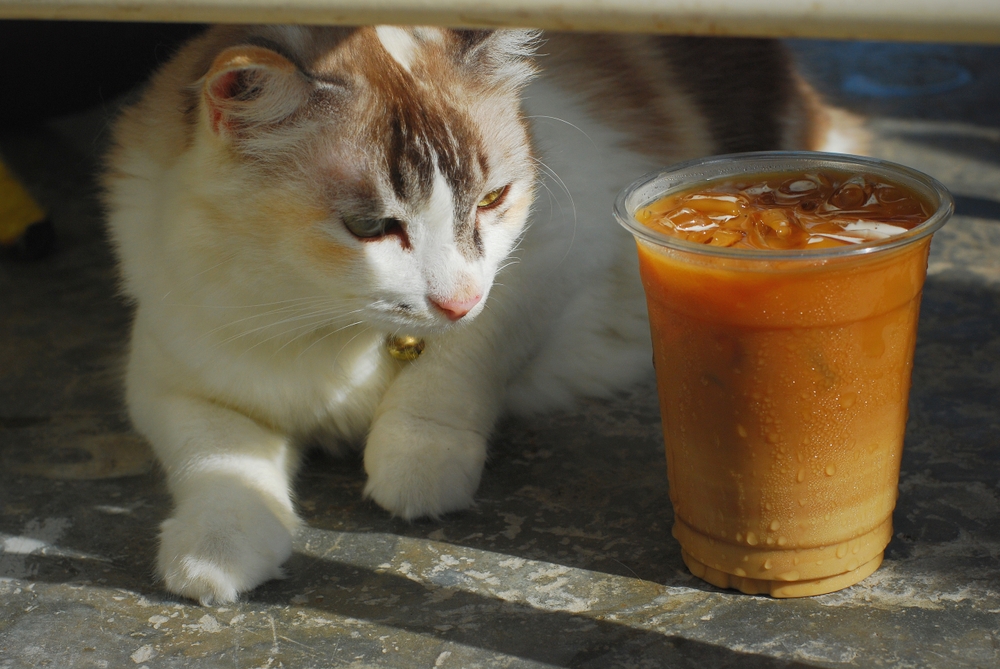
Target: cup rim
714, 168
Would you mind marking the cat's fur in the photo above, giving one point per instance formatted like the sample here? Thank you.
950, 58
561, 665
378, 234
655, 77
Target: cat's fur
261, 319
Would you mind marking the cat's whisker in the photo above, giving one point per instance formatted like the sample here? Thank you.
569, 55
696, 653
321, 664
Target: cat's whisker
495, 306
562, 120
515, 261
572, 202
299, 306
191, 279
300, 300
552, 198
265, 340
307, 328
316, 327
336, 358
324, 315
225, 260
557, 179
261, 315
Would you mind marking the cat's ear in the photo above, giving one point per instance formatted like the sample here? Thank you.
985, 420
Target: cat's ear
249, 87
504, 58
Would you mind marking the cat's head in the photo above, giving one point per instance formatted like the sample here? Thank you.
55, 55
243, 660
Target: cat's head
388, 167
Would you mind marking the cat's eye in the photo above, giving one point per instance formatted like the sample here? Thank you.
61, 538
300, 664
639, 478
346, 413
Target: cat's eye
369, 228
493, 198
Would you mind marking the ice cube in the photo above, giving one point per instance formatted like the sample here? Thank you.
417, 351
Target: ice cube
848, 196
799, 186
877, 230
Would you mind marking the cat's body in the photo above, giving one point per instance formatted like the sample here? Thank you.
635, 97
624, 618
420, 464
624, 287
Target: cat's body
282, 200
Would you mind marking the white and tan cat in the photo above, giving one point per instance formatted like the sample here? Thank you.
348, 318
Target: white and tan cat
284, 199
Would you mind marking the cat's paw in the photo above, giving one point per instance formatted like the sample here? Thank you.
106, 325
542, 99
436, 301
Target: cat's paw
212, 554
417, 467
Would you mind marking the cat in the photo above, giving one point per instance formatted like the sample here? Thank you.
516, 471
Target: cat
283, 201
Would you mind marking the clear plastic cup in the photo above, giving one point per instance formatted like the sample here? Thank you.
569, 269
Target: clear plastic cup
783, 379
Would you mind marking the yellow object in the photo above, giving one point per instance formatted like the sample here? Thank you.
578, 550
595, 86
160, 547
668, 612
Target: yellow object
405, 348
18, 210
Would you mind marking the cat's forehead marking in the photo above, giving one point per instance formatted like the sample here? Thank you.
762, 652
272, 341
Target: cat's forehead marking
430, 169
429, 142
399, 44
424, 134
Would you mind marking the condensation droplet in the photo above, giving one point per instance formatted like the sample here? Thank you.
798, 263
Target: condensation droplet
801, 476
772, 437
751, 538
841, 550
775, 525
782, 541
768, 564
742, 431
848, 399
739, 536
739, 572
852, 564
768, 506
789, 576
831, 470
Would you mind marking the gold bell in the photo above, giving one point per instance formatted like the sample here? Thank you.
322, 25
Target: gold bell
405, 348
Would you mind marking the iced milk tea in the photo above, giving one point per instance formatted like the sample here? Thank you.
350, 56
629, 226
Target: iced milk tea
783, 299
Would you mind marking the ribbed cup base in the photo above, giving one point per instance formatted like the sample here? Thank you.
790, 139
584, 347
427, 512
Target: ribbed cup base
781, 589
790, 572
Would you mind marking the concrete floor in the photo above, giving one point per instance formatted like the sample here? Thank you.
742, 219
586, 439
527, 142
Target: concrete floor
567, 559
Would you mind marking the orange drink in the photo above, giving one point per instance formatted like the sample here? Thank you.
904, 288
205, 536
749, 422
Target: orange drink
783, 292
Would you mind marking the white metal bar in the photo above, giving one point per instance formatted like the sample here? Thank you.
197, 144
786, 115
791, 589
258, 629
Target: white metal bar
918, 20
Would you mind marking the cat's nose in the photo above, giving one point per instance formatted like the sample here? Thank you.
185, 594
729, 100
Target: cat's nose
455, 309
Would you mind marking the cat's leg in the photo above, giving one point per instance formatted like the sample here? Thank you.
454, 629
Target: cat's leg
427, 445
234, 519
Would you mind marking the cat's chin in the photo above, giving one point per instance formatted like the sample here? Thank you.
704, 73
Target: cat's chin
419, 328
424, 325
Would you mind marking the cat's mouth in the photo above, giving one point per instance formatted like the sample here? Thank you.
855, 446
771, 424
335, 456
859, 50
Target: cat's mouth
421, 320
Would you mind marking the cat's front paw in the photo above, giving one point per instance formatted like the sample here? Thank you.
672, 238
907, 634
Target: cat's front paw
417, 467
214, 553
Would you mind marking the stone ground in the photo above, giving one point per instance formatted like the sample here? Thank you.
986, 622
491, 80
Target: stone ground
567, 558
